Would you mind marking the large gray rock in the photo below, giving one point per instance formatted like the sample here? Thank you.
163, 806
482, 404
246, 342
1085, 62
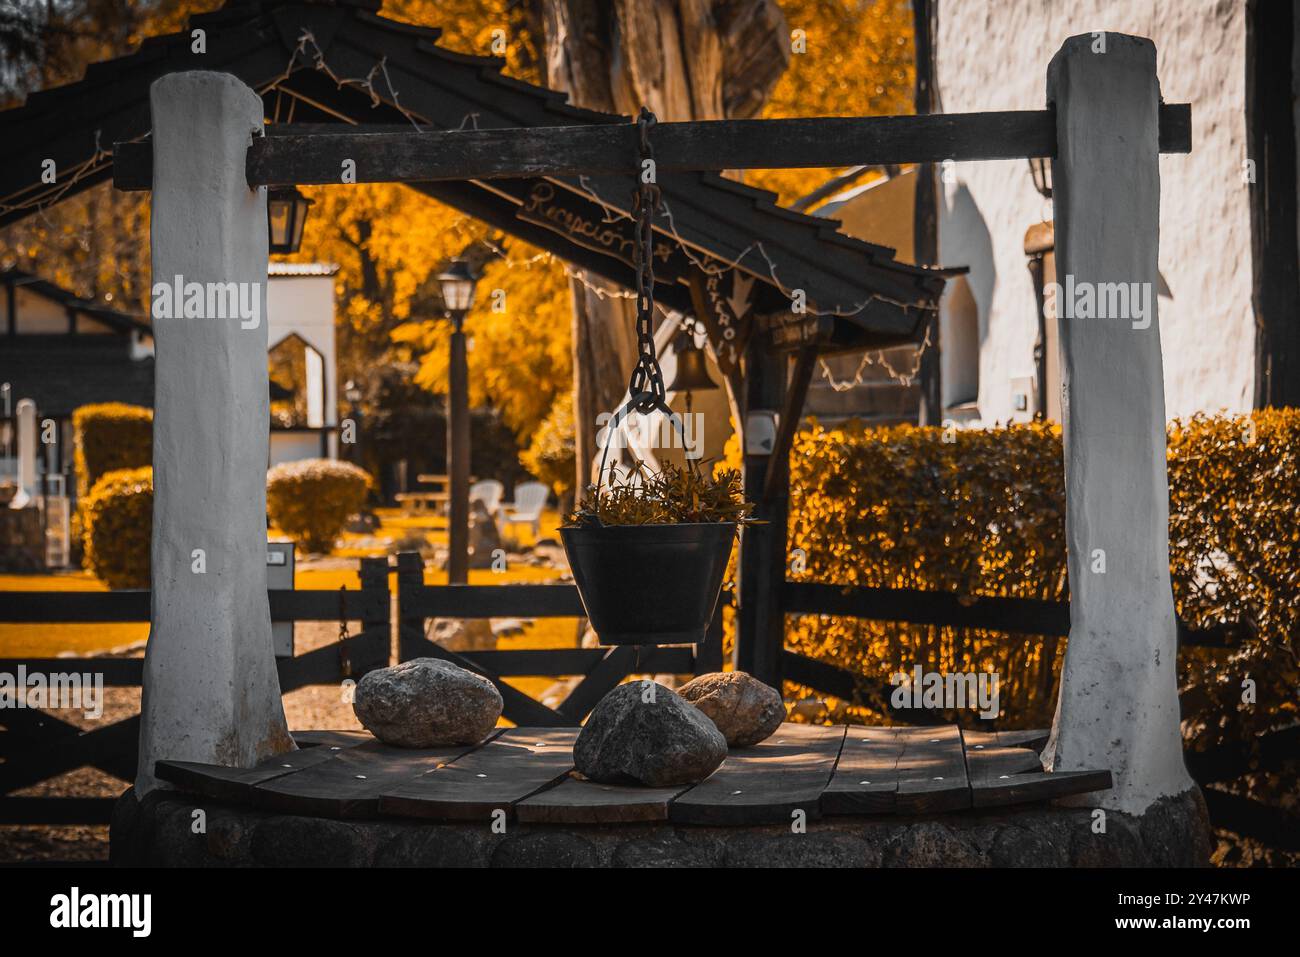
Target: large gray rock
426, 702
644, 733
745, 710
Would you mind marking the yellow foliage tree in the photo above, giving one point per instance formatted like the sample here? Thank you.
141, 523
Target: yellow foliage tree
857, 61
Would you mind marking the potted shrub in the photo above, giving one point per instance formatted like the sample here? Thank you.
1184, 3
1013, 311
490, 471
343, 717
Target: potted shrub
649, 549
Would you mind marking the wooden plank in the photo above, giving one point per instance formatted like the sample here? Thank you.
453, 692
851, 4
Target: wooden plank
1034, 739
313, 739
41, 607
600, 681
989, 763
610, 149
33, 737
1024, 615
522, 662
1039, 786
492, 601
932, 771
117, 672
866, 776
110, 747
348, 784
1005, 768
132, 605
324, 665
577, 801
778, 472
520, 708
514, 765
767, 783
236, 784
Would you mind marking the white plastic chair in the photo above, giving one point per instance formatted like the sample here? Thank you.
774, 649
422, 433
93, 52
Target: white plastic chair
530, 499
489, 492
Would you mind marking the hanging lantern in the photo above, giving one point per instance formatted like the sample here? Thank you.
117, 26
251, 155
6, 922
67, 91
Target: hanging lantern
1040, 168
286, 214
692, 367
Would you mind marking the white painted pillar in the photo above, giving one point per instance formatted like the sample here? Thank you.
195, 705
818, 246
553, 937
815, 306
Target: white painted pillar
25, 414
211, 692
1118, 705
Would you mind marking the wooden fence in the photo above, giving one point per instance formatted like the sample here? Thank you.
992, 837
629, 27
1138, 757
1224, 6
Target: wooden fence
1034, 619
602, 669
37, 746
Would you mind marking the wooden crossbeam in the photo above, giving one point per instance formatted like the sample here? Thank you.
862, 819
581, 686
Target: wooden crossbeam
319, 158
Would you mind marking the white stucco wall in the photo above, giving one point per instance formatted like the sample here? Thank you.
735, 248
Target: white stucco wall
993, 55
304, 306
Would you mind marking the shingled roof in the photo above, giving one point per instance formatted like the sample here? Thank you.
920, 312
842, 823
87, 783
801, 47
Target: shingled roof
272, 45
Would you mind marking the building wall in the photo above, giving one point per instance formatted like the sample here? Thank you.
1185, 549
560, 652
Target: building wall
993, 55
304, 306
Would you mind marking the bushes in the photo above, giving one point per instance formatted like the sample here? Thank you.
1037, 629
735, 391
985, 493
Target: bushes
117, 517
110, 436
311, 500
979, 513
550, 455
984, 514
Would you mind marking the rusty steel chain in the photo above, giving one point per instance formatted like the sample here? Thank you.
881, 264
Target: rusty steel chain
345, 660
646, 386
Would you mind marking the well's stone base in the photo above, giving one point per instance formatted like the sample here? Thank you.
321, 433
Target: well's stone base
160, 832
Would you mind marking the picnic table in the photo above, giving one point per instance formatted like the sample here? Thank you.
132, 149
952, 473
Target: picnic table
528, 774
435, 498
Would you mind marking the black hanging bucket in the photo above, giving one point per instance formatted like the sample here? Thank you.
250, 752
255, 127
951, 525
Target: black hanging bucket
649, 584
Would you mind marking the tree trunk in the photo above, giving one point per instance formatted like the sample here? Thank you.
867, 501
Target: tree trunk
685, 60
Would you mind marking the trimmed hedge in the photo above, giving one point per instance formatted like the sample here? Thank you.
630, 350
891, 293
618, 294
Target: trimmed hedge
983, 513
117, 519
310, 500
108, 436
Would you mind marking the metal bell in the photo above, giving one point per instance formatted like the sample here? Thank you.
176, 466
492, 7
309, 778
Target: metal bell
692, 373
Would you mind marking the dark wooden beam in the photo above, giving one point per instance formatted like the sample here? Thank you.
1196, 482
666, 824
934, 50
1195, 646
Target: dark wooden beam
319, 157
1275, 250
777, 481
760, 623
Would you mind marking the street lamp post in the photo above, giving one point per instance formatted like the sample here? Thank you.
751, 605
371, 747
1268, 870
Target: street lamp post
457, 283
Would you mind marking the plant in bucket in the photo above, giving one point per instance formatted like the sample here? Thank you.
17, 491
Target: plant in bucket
649, 548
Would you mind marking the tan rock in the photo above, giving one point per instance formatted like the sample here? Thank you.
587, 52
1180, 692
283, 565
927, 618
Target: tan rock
745, 710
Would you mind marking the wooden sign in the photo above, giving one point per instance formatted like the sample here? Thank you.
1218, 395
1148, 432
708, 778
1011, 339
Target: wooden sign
724, 303
788, 331
586, 224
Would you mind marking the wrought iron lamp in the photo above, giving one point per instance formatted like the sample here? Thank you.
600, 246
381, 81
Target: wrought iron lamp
286, 214
1040, 168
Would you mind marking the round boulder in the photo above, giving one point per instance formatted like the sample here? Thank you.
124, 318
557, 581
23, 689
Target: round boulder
425, 703
644, 733
745, 710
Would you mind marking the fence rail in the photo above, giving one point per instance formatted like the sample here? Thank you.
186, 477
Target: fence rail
1032, 618
37, 746
601, 669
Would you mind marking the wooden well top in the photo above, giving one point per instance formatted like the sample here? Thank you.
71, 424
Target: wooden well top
528, 773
